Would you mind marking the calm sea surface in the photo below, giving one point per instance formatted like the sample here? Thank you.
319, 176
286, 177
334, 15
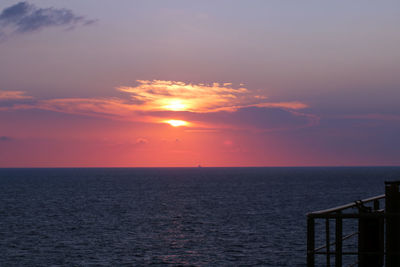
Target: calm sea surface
170, 216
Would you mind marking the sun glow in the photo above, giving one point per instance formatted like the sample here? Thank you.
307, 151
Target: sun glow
175, 105
176, 123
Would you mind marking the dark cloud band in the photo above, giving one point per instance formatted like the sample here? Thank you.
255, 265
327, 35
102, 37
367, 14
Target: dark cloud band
24, 17
5, 138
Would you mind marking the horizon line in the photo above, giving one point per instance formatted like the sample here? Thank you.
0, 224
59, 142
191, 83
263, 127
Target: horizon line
201, 167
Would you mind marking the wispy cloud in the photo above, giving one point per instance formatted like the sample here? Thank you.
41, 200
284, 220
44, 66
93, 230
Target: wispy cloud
13, 95
161, 98
286, 105
141, 141
24, 17
200, 98
180, 96
107, 107
374, 116
5, 138
196, 106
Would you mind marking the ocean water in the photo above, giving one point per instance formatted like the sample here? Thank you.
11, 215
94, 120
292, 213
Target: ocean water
170, 216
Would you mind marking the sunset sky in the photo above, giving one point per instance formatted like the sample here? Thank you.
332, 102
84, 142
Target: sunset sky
93, 83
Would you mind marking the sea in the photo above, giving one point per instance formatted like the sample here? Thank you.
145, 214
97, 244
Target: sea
171, 216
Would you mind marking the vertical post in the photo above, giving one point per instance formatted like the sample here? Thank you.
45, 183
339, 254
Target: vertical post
338, 240
328, 241
392, 224
376, 204
370, 239
310, 241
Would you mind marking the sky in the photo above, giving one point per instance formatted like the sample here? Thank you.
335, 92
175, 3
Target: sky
126, 83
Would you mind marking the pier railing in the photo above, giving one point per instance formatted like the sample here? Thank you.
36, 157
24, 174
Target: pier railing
376, 229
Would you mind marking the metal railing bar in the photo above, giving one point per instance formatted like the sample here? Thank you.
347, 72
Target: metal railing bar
353, 264
351, 215
376, 214
343, 253
346, 206
358, 253
310, 242
327, 238
338, 239
334, 243
361, 209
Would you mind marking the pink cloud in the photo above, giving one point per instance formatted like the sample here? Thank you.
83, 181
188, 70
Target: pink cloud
141, 141
374, 116
287, 105
13, 95
162, 101
158, 95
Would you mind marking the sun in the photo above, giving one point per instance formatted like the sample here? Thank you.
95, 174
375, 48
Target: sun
176, 123
175, 105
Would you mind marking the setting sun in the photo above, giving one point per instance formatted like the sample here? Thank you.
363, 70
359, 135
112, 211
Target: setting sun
176, 123
175, 105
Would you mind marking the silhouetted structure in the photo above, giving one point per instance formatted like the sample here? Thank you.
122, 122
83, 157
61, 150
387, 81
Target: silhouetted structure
392, 224
372, 223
